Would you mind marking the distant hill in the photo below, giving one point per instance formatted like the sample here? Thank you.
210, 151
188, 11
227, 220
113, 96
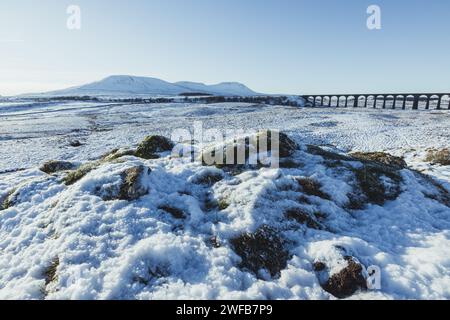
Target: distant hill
132, 85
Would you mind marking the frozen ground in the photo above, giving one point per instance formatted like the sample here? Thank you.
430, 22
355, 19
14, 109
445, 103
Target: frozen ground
133, 249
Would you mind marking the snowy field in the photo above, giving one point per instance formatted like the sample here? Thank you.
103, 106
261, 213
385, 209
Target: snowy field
68, 242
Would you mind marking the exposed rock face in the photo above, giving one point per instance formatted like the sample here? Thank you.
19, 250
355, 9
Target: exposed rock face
56, 166
152, 145
262, 250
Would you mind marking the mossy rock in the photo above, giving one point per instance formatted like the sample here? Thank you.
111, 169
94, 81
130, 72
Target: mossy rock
262, 250
234, 155
237, 154
152, 145
83, 170
381, 158
57, 166
441, 157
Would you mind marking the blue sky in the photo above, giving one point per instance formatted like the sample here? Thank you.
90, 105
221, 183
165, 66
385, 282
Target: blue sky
273, 46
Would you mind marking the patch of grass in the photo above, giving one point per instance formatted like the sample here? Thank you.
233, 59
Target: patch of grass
290, 164
50, 272
287, 146
222, 205
441, 157
131, 187
153, 273
152, 145
302, 199
319, 266
174, 212
116, 154
7, 202
302, 217
373, 187
312, 188
56, 166
262, 250
440, 194
79, 174
345, 283
381, 158
327, 155
209, 178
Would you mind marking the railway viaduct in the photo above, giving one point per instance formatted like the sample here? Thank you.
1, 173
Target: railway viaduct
413, 101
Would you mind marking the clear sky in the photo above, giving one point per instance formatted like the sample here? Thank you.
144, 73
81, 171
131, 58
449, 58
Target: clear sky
273, 46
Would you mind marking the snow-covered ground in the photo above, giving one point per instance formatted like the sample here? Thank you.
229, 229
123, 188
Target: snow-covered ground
33, 133
68, 242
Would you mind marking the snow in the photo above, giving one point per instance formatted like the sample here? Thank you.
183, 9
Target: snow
133, 85
135, 250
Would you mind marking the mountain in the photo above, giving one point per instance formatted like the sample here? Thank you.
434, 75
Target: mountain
132, 85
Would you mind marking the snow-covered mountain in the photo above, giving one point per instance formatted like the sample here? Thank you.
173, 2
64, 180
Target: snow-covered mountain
132, 85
